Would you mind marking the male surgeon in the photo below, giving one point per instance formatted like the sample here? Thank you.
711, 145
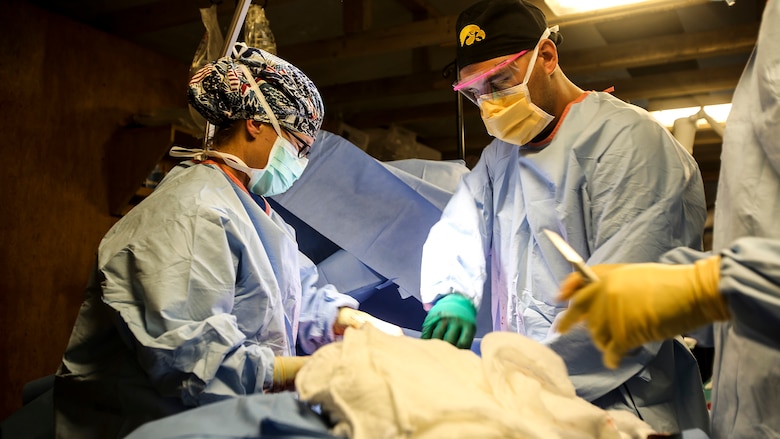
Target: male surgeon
600, 172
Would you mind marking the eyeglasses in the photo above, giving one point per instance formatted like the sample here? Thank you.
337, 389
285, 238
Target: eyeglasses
504, 75
303, 147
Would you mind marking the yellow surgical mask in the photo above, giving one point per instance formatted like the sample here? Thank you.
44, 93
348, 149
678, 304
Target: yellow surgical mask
510, 115
513, 118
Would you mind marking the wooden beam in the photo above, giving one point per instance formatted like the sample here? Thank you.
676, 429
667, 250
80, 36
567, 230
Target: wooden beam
439, 31
431, 32
381, 88
646, 87
159, 15
420, 8
669, 85
587, 60
662, 50
370, 119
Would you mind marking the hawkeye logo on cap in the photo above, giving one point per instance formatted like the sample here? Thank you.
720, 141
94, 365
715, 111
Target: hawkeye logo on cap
471, 34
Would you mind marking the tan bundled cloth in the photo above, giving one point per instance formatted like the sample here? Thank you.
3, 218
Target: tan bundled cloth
373, 385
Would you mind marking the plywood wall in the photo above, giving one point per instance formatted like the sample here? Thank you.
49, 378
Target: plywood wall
64, 91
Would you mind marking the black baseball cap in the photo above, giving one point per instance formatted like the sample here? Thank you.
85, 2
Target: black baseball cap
492, 28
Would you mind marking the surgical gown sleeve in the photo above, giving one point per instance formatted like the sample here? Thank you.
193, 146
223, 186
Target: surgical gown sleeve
180, 297
453, 257
746, 375
750, 280
319, 308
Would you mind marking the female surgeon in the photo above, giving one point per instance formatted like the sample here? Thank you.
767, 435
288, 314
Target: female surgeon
200, 293
738, 286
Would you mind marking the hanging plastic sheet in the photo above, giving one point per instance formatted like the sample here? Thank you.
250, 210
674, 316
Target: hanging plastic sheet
379, 214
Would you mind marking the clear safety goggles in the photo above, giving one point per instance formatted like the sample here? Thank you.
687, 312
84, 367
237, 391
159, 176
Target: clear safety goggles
299, 144
502, 76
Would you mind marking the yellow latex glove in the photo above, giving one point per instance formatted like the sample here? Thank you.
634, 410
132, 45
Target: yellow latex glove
285, 370
633, 304
352, 318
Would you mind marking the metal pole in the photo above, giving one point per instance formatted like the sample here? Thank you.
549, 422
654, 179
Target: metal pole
236, 24
459, 121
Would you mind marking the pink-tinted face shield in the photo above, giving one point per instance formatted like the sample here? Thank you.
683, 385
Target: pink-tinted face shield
504, 75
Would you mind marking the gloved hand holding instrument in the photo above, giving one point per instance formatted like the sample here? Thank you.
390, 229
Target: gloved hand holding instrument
633, 304
628, 305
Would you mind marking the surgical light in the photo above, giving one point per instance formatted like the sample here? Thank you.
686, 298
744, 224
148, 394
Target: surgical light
566, 7
717, 112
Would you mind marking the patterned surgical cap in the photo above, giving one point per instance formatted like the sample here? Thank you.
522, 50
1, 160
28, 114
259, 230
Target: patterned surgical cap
221, 94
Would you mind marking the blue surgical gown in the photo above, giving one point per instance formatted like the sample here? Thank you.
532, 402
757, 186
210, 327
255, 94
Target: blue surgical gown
193, 293
747, 363
747, 380
746, 374
618, 187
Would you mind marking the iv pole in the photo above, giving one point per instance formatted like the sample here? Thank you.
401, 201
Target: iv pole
459, 124
461, 128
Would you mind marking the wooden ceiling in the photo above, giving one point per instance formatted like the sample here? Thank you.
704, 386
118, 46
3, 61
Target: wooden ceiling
380, 62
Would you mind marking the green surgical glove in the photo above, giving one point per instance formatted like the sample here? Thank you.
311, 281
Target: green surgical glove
452, 319
633, 304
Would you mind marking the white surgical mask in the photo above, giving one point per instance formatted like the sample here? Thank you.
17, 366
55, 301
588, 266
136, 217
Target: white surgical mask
283, 169
509, 114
